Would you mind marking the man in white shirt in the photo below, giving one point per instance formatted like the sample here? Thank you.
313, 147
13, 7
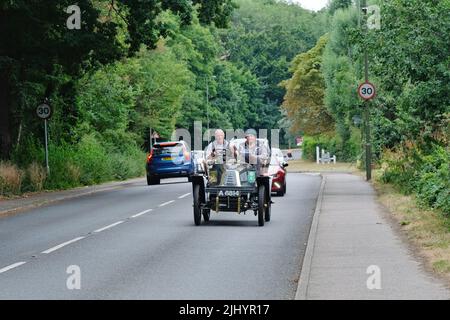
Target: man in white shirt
216, 150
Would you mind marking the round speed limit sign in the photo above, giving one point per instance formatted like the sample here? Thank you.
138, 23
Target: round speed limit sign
44, 111
367, 91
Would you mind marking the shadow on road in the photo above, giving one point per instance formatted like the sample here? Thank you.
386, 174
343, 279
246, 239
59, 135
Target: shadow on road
230, 223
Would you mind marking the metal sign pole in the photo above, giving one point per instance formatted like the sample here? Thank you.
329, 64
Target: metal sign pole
367, 102
46, 147
207, 107
44, 112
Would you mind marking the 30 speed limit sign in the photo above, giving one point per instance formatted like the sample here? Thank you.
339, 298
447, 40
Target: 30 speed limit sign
367, 91
44, 111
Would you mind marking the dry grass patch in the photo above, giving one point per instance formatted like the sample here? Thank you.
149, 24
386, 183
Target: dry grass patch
37, 175
308, 166
10, 179
428, 230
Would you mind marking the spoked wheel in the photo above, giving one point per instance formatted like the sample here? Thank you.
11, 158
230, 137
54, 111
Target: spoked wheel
206, 214
197, 205
261, 202
268, 211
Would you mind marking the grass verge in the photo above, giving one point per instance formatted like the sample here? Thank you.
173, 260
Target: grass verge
428, 230
308, 166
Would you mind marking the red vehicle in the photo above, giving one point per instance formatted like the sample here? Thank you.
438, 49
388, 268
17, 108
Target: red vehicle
278, 173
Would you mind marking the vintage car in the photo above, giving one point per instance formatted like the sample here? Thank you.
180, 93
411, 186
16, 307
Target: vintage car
229, 184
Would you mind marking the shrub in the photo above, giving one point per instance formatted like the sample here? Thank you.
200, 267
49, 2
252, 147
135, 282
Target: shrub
93, 160
425, 175
130, 163
310, 143
10, 179
36, 175
61, 160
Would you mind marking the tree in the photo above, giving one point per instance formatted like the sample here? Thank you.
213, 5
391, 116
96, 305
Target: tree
304, 99
265, 37
217, 11
40, 57
340, 69
335, 5
410, 57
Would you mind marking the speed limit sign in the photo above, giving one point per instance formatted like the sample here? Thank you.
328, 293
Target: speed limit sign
367, 91
44, 111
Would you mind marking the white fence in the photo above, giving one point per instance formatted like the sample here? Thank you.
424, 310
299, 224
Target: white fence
324, 157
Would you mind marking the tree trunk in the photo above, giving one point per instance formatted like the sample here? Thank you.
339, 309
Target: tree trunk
5, 115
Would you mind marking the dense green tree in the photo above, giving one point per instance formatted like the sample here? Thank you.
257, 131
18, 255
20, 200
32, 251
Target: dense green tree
265, 37
410, 59
304, 100
340, 69
40, 57
335, 5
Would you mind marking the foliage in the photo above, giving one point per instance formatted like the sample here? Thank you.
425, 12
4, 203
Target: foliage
345, 151
304, 100
427, 175
10, 178
264, 38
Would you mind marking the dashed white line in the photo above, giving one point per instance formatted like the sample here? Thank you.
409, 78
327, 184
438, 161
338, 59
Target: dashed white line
184, 195
62, 245
166, 203
12, 266
141, 213
108, 227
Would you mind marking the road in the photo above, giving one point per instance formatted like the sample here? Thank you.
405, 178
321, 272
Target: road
140, 242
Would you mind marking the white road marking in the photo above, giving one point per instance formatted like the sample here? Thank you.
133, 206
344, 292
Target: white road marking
62, 245
108, 227
184, 195
12, 266
141, 213
166, 203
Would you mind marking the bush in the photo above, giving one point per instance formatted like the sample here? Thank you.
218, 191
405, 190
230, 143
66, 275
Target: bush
94, 161
344, 150
128, 164
10, 179
310, 144
86, 163
425, 175
61, 160
28, 151
36, 176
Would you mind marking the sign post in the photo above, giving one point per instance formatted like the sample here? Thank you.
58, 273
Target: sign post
367, 92
44, 112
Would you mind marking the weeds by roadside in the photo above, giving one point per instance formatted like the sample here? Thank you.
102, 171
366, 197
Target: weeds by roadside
10, 179
427, 229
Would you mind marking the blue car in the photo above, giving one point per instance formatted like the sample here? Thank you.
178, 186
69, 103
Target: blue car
169, 160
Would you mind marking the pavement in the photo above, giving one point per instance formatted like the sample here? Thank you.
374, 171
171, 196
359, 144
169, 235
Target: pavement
133, 241
354, 252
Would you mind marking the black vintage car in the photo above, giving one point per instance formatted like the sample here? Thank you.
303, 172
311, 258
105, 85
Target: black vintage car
229, 184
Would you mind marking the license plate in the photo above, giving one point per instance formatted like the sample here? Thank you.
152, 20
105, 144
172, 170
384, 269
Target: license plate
167, 159
229, 193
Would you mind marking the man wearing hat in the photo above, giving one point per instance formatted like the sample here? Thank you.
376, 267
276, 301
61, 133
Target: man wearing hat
252, 150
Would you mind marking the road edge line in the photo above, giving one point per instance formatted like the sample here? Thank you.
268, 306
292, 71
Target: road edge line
303, 281
43, 203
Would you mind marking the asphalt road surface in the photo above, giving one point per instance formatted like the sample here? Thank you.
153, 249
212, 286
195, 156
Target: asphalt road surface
140, 242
